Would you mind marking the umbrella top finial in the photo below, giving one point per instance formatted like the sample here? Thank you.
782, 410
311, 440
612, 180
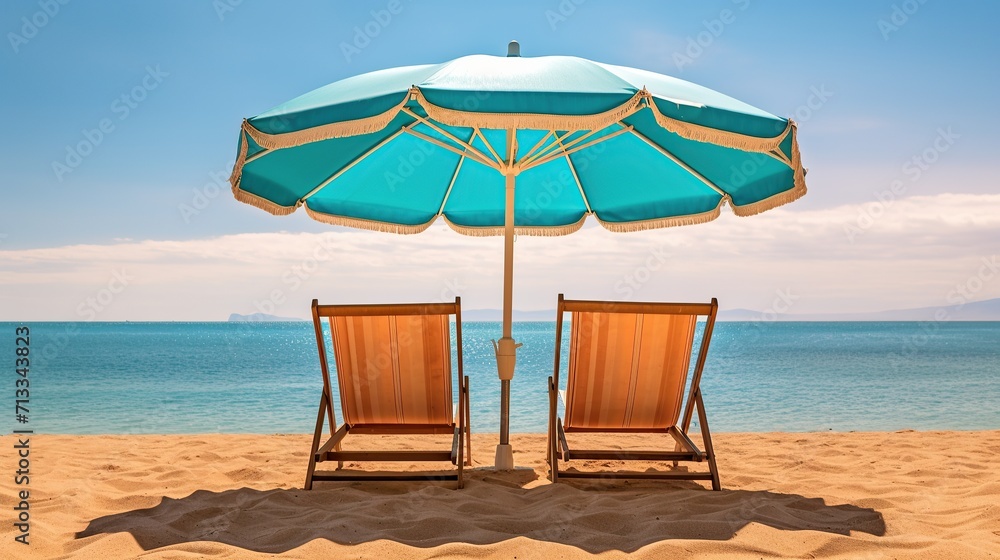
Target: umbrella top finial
514, 49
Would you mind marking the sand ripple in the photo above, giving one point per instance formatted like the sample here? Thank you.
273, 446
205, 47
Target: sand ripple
828, 495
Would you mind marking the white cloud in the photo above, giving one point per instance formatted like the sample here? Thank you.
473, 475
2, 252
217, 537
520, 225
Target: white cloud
911, 252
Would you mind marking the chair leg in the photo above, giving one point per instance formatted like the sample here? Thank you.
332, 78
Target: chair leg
461, 452
468, 423
460, 431
548, 432
317, 435
707, 436
553, 439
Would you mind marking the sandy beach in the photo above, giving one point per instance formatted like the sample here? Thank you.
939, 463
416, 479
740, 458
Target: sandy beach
816, 495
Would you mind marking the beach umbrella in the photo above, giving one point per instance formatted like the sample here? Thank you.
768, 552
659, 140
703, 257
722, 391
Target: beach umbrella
516, 145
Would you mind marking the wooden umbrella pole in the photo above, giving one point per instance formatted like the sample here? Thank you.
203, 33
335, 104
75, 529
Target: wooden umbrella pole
508, 306
508, 260
506, 350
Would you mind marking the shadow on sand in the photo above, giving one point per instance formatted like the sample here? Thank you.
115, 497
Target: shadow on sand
595, 517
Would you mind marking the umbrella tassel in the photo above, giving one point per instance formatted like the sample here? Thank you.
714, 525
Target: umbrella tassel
540, 121
343, 129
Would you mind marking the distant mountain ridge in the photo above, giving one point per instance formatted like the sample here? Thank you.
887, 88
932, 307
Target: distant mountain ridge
987, 310
260, 318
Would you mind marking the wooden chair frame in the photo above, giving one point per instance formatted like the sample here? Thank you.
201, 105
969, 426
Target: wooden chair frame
684, 448
459, 454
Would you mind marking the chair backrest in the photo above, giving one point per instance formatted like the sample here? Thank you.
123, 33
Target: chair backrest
393, 361
629, 362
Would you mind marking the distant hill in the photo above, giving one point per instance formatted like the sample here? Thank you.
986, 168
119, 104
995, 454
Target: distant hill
260, 317
988, 310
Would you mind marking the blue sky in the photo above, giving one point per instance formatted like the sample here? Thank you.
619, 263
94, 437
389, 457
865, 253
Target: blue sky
191, 70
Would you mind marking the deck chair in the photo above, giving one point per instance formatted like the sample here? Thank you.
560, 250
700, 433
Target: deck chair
394, 376
628, 367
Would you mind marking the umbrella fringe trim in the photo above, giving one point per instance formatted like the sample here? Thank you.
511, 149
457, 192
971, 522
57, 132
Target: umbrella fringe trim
719, 137
453, 117
542, 121
263, 203
797, 191
370, 225
241, 158
249, 198
533, 231
342, 129
769, 203
659, 223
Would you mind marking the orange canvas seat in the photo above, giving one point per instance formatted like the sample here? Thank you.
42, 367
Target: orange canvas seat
628, 368
394, 376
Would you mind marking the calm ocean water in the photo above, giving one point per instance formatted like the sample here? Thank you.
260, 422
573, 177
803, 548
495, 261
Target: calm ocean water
264, 377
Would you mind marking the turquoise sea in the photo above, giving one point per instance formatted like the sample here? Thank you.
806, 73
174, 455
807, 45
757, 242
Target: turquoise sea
123, 378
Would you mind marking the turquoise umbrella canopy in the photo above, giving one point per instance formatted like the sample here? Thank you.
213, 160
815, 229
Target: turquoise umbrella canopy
506, 145
393, 150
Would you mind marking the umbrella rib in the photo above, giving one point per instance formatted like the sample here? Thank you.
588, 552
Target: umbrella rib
445, 133
454, 177
552, 148
780, 156
496, 156
555, 155
550, 154
511, 148
679, 162
538, 145
353, 162
447, 193
471, 154
579, 185
257, 156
